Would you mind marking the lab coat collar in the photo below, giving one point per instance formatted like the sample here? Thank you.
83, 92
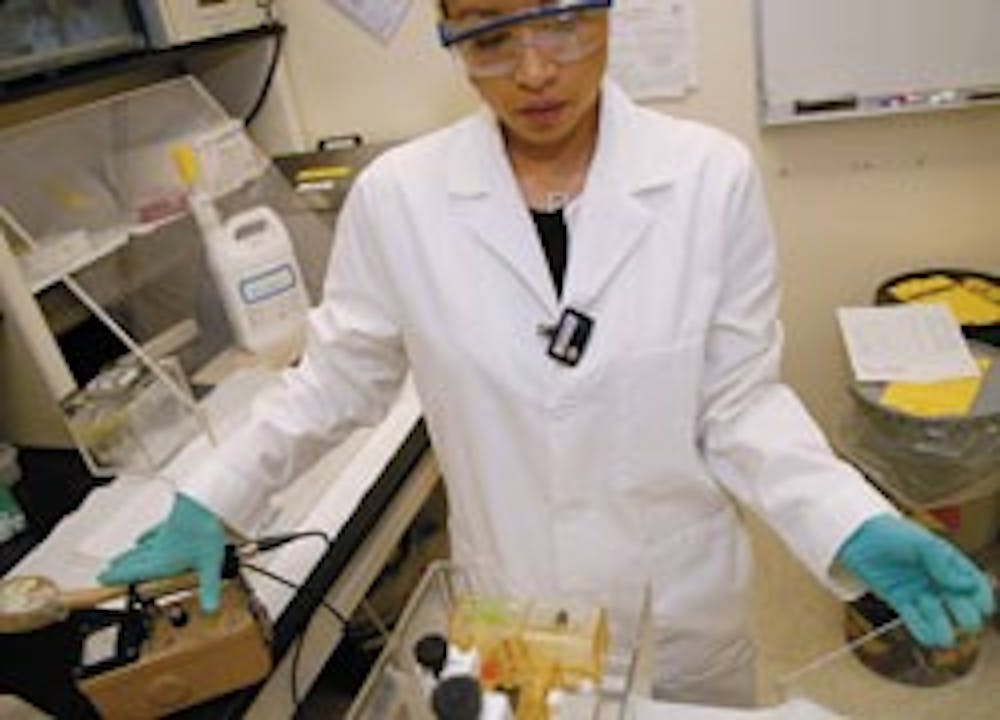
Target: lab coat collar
613, 217
474, 168
632, 159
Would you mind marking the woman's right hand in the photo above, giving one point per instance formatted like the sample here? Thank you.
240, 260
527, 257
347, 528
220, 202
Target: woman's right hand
190, 538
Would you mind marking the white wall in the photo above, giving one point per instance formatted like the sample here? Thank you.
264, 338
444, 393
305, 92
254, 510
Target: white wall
853, 202
345, 81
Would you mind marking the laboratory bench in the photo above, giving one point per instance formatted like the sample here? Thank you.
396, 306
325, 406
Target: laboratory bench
352, 562
365, 494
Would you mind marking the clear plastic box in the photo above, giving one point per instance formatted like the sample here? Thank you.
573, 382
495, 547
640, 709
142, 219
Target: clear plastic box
98, 220
128, 420
396, 687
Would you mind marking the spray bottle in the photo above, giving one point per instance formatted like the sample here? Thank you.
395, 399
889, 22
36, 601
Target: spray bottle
252, 261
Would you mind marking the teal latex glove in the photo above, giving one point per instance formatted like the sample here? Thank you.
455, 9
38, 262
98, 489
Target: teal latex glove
191, 538
931, 585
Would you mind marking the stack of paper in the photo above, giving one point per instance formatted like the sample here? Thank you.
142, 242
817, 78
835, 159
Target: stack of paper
918, 343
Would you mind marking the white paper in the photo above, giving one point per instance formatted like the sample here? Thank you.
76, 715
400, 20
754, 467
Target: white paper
907, 343
652, 47
381, 18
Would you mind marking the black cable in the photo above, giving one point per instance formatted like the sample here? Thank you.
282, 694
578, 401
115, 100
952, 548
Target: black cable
297, 652
295, 586
270, 542
268, 78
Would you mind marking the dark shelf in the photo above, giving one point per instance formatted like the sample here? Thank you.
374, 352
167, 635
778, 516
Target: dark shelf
129, 61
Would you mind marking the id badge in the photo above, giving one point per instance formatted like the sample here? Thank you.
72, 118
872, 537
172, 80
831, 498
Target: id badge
569, 338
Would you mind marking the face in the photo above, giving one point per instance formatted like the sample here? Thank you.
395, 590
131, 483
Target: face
542, 101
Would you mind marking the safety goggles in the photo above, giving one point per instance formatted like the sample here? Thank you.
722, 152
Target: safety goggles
491, 45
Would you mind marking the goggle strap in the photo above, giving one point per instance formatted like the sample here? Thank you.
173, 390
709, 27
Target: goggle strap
449, 37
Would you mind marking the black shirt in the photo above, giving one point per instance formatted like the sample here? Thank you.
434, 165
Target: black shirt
552, 232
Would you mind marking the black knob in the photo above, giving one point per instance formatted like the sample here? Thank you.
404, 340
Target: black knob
431, 651
177, 616
458, 698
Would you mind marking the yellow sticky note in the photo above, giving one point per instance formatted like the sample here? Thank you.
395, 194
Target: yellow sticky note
949, 397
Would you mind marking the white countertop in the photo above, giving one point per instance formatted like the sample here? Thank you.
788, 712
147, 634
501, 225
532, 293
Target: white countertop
324, 498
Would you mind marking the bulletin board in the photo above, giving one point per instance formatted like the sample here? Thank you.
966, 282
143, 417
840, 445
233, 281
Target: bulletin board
824, 60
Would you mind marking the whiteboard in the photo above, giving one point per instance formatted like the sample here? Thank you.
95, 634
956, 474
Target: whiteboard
823, 59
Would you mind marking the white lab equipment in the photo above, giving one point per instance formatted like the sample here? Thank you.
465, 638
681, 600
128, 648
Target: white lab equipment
253, 263
417, 660
174, 22
462, 649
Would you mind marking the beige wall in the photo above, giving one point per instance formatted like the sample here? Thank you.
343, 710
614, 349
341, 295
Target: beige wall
853, 202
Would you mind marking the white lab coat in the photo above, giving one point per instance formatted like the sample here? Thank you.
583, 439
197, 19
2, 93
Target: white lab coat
572, 480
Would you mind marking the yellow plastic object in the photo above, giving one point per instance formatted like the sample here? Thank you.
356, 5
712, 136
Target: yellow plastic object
186, 162
494, 628
938, 399
574, 643
323, 172
533, 648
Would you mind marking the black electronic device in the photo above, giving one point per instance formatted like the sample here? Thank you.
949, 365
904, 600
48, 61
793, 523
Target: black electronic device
155, 655
568, 339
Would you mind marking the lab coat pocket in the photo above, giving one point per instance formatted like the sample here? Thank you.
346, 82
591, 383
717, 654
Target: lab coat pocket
658, 411
700, 581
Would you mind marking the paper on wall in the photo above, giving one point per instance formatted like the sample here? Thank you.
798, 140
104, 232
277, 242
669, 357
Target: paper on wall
652, 47
381, 18
908, 343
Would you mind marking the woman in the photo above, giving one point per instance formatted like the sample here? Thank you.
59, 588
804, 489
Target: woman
585, 293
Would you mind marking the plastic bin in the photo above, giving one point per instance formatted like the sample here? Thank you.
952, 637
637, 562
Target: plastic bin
397, 686
928, 461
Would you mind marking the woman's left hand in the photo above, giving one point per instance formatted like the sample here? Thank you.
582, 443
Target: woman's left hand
931, 585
